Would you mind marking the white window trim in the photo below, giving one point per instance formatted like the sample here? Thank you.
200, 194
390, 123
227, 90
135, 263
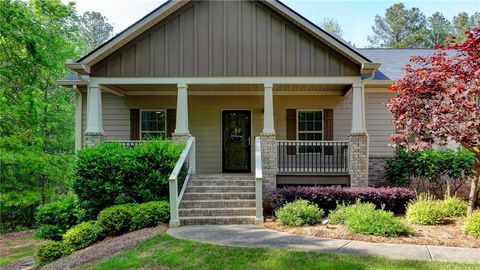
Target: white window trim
152, 110
310, 110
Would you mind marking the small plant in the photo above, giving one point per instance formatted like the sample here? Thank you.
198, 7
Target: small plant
81, 235
150, 214
368, 221
50, 251
115, 220
57, 217
471, 226
426, 212
341, 213
454, 207
299, 213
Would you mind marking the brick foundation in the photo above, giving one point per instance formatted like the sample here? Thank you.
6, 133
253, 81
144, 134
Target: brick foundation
376, 170
358, 159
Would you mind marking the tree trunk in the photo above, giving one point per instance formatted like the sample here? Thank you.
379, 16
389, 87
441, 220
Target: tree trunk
472, 198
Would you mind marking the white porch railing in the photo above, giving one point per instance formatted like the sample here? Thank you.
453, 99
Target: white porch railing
258, 182
187, 157
312, 156
128, 143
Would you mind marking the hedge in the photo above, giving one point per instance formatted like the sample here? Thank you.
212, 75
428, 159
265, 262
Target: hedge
111, 174
392, 199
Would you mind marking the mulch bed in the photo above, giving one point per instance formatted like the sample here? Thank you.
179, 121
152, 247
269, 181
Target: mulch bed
105, 248
448, 234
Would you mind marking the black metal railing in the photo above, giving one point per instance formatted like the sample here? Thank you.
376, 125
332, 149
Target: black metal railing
312, 156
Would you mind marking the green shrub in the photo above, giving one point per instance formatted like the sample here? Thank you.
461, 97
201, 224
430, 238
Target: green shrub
81, 235
426, 212
454, 207
364, 220
471, 226
150, 214
111, 174
57, 217
115, 220
299, 213
340, 214
50, 251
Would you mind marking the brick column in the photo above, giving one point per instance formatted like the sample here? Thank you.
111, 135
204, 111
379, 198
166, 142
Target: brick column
92, 139
358, 159
269, 162
180, 138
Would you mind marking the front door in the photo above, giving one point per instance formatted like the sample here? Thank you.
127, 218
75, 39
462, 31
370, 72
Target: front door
236, 141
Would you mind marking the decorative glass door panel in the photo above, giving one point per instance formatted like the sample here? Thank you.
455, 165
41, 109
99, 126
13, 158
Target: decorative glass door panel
236, 141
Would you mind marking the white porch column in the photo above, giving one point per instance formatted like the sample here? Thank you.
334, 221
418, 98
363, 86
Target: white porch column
94, 132
78, 118
358, 110
181, 128
268, 121
358, 140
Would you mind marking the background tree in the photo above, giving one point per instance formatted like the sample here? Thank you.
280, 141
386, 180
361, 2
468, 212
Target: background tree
438, 100
462, 22
399, 28
94, 28
332, 26
439, 28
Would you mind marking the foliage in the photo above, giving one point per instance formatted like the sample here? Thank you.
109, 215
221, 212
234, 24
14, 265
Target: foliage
50, 251
426, 212
326, 198
81, 235
150, 214
115, 220
94, 28
299, 213
111, 174
341, 213
471, 226
437, 101
55, 218
462, 22
439, 167
454, 207
376, 222
331, 25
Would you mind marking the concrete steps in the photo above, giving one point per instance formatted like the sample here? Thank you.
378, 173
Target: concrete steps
218, 199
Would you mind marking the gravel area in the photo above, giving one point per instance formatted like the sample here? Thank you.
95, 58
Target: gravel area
105, 248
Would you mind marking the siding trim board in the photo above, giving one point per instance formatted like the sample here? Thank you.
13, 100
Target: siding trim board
298, 46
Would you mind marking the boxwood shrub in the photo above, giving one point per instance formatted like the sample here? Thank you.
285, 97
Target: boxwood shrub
150, 214
393, 199
50, 251
81, 235
299, 213
55, 218
111, 174
115, 220
471, 226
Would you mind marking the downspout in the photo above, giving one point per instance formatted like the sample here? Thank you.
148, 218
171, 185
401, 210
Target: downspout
78, 118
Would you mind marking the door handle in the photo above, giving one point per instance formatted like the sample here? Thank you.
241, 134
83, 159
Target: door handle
248, 141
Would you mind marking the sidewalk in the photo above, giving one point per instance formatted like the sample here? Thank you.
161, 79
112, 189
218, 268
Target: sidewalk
253, 236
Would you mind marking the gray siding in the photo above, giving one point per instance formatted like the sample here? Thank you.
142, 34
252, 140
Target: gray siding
379, 124
225, 38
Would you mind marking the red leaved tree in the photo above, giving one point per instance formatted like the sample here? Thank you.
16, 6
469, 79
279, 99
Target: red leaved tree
438, 101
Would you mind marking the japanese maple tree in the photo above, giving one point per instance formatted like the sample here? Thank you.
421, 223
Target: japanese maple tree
438, 100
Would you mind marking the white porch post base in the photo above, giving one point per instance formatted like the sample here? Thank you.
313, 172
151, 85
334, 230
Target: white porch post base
269, 162
358, 159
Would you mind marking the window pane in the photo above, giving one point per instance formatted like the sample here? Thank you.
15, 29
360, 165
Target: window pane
153, 120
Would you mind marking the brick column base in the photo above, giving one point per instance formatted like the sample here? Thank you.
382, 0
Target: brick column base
269, 162
92, 139
358, 159
180, 137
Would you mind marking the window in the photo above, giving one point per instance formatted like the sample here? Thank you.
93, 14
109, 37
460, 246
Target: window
153, 124
310, 125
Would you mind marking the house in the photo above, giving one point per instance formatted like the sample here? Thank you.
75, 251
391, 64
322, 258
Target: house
232, 75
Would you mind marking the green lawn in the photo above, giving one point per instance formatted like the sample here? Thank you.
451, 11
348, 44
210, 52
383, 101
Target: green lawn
166, 252
20, 246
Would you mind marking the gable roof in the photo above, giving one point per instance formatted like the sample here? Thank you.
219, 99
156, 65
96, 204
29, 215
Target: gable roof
171, 6
393, 60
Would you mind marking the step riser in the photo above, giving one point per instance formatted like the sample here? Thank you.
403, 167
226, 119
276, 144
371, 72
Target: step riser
187, 222
222, 177
214, 213
223, 183
218, 196
216, 204
207, 189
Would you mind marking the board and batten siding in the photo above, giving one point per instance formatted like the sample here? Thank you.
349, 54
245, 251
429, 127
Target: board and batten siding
225, 38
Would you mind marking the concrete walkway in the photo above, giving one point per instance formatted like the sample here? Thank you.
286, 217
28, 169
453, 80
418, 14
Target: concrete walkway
253, 236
